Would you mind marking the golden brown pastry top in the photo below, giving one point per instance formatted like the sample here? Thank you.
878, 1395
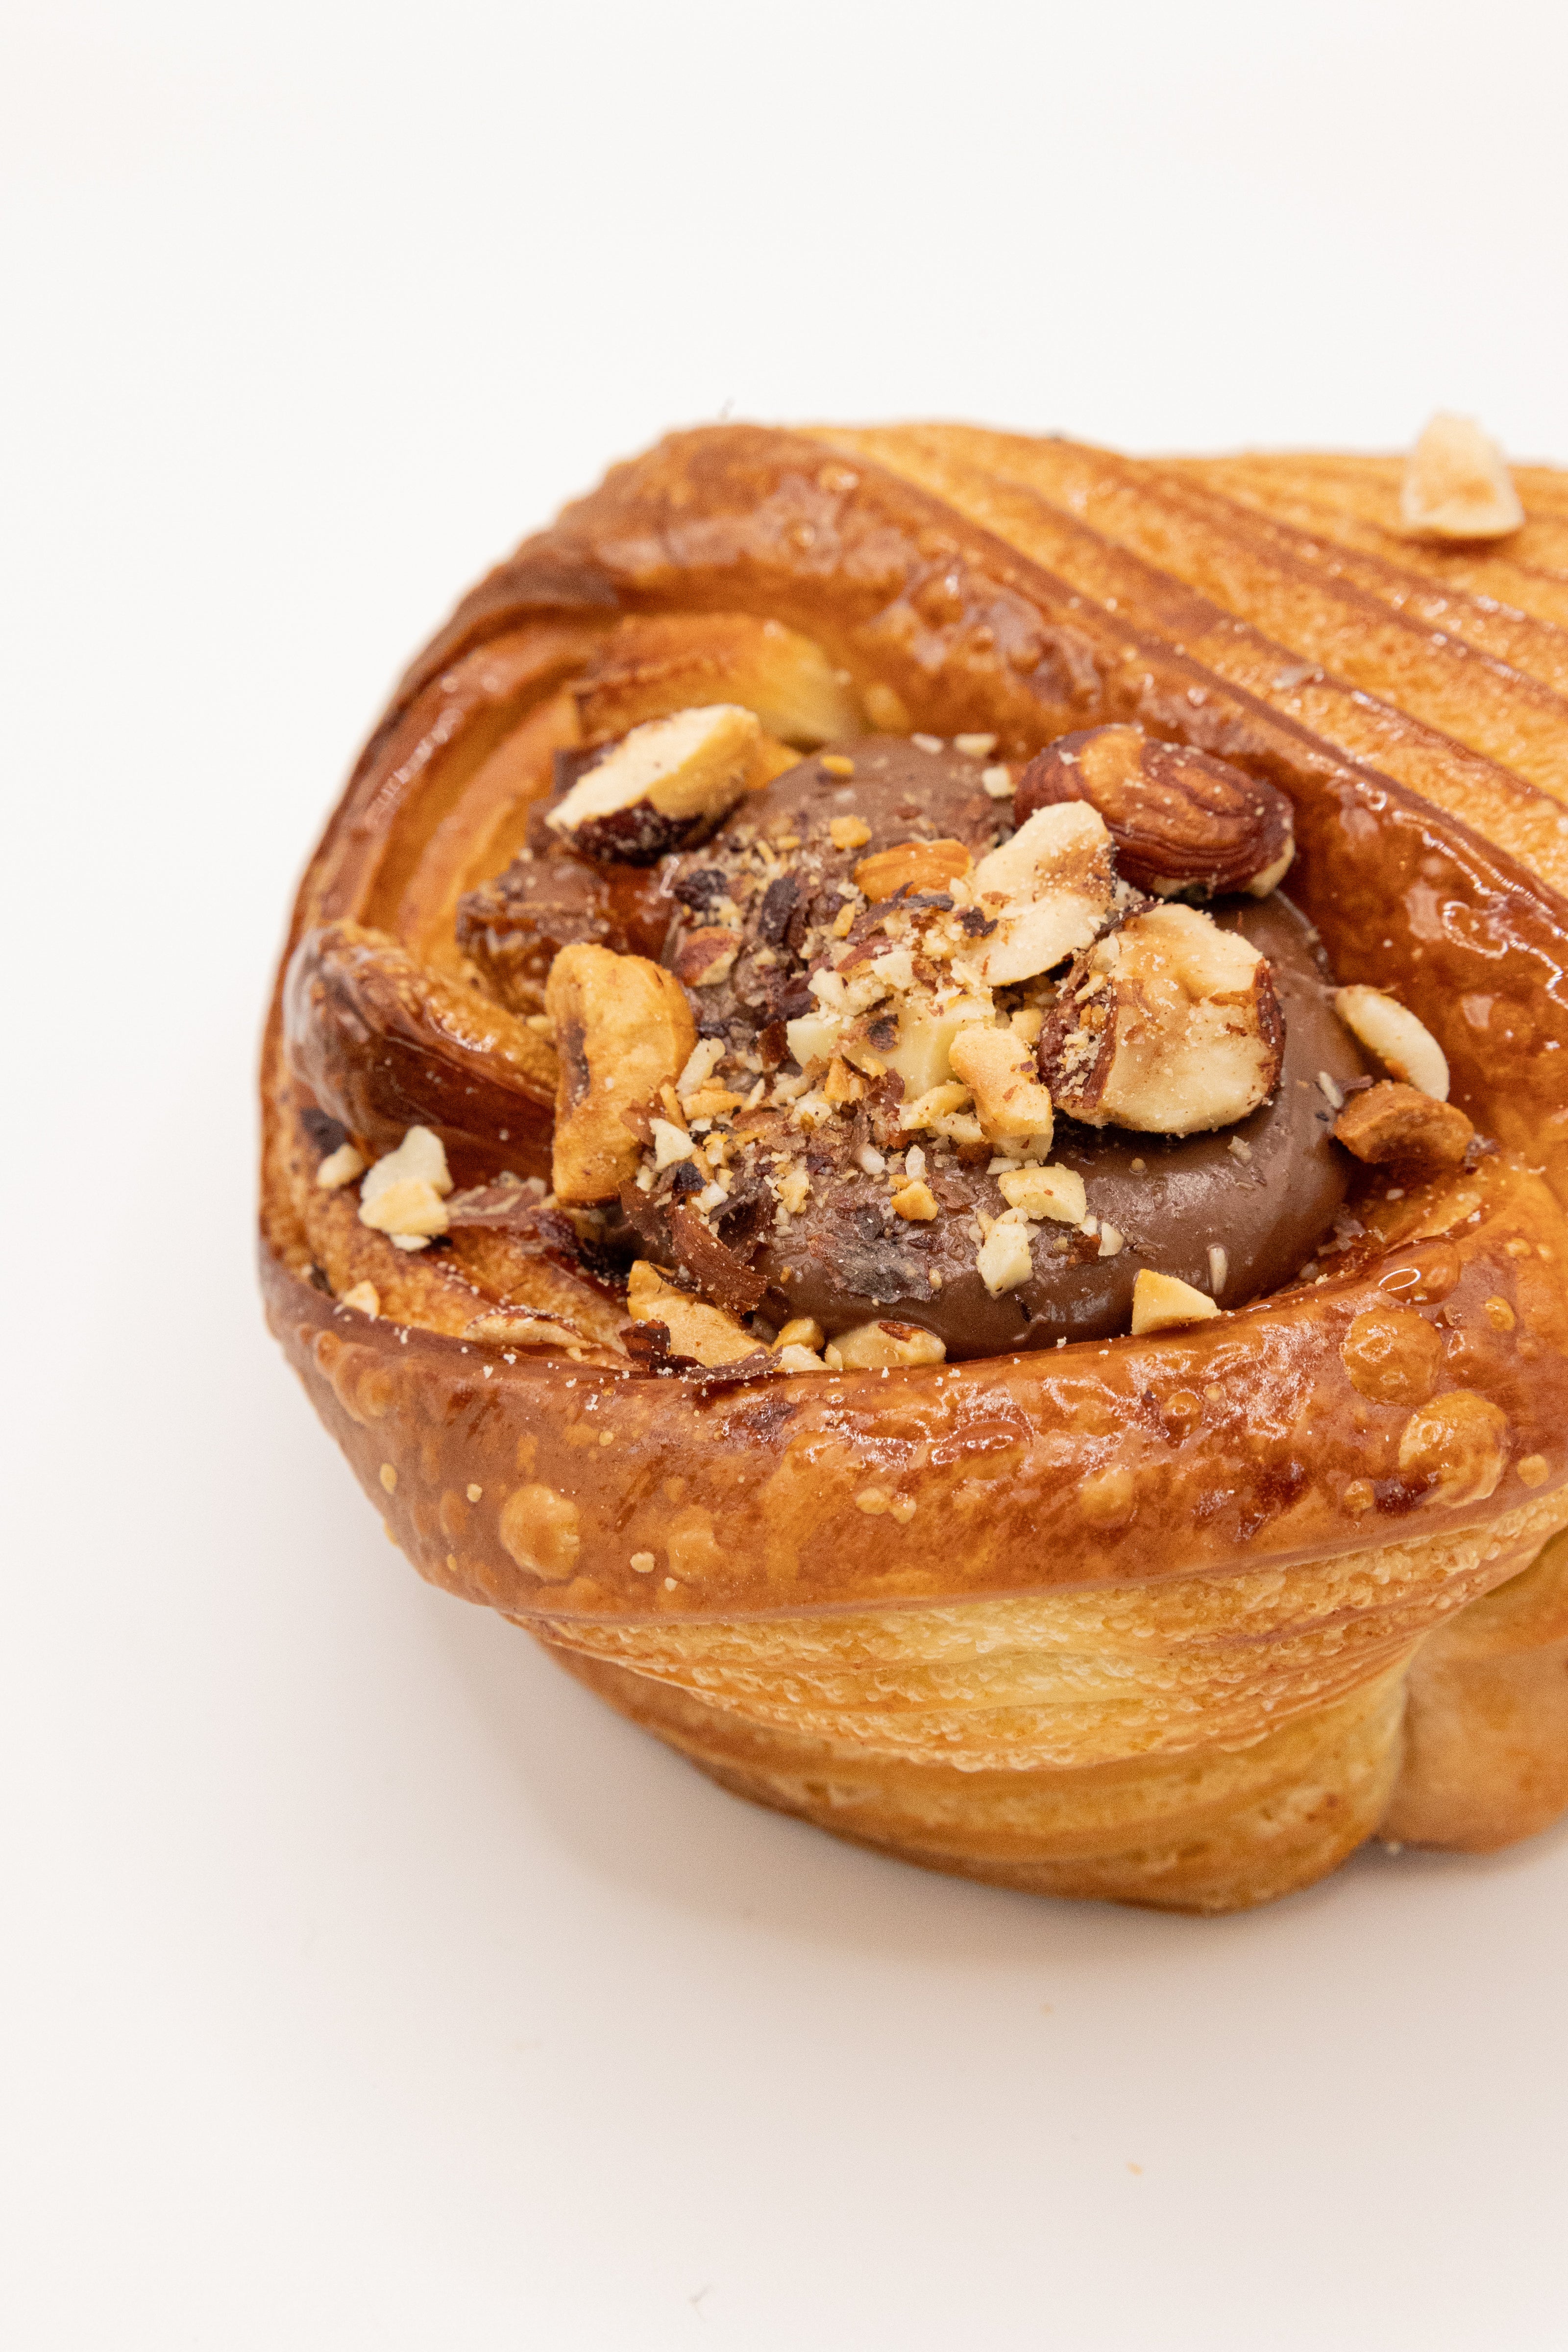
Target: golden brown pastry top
1426, 1390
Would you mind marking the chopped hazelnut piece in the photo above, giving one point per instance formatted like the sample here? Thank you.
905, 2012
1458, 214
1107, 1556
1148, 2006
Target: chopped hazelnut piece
796, 1359
624, 1029
699, 1066
403, 1195
1457, 485
1169, 1026
843, 1084
663, 782
695, 1329
793, 1186
706, 957
1393, 1123
1004, 1259
870, 1346
849, 832
916, 1201
365, 1296
922, 1053
1048, 891
915, 865
339, 1168
1400, 1043
1056, 1192
800, 1331
1161, 1302
999, 1068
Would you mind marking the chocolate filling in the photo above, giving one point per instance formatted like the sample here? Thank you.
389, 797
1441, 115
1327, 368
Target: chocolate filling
1237, 1214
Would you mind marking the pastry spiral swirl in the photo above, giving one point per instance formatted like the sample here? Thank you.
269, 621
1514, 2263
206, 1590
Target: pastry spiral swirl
1177, 1619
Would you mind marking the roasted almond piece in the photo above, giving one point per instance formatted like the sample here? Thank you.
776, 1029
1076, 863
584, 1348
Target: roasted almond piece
663, 786
623, 1031
1048, 892
1169, 1026
1401, 1043
696, 1330
1457, 485
1000, 1070
1395, 1122
911, 866
657, 663
1180, 819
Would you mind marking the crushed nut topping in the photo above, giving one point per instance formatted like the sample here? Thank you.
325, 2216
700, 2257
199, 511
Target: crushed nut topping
881, 1002
1457, 485
1161, 1302
403, 1195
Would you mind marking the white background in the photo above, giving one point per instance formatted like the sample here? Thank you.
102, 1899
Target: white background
366, 1986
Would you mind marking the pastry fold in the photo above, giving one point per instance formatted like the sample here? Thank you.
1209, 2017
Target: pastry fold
1176, 1620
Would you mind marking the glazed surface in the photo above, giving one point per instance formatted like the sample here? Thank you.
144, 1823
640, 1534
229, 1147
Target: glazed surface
907, 593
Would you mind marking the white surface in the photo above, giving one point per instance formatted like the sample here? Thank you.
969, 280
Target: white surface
366, 1986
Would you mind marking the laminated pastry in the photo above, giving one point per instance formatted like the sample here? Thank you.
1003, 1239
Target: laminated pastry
917, 1110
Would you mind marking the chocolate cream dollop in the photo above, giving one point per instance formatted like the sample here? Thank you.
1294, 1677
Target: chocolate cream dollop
804, 1217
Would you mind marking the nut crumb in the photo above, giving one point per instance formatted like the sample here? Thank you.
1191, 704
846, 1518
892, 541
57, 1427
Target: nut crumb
849, 832
642, 1563
474, 1492
365, 1296
389, 1477
916, 1201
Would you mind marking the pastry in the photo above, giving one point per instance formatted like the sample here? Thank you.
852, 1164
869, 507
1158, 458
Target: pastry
917, 1110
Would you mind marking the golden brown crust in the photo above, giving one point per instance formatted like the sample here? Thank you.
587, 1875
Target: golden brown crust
1259, 1442
1138, 1462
